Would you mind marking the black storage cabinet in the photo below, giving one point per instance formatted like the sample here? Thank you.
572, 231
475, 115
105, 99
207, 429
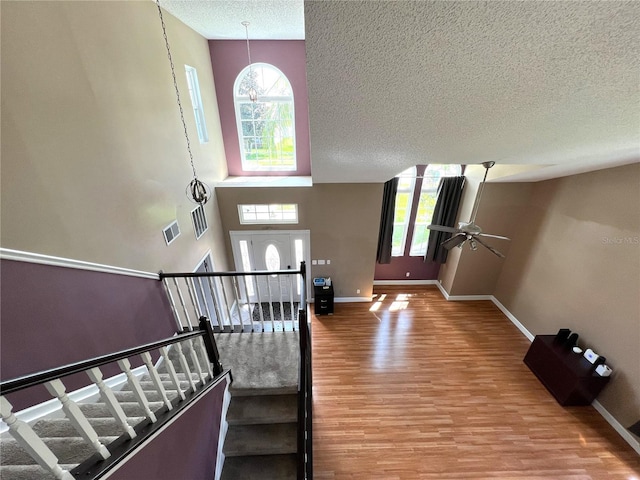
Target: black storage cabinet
323, 300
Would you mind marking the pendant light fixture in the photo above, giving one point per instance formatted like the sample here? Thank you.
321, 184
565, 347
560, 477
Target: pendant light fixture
197, 191
253, 93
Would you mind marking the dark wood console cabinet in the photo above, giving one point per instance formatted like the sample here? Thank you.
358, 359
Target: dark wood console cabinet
568, 376
323, 300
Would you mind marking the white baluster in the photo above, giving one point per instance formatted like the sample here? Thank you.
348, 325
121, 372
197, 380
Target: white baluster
33, 444
194, 300
184, 306
236, 292
281, 302
76, 417
246, 292
125, 366
293, 316
172, 371
215, 303
204, 297
195, 360
260, 312
199, 345
273, 324
172, 302
110, 399
226, 303
155, 378
184, 365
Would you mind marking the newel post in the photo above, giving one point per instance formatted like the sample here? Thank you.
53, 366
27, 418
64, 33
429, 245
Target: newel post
210, 345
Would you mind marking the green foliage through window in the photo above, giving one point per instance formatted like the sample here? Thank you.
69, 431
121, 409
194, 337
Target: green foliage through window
266, 128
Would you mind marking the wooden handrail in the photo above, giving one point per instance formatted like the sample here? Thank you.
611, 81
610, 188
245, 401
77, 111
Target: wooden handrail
37, 378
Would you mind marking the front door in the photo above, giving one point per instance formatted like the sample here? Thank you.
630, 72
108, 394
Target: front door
272, 251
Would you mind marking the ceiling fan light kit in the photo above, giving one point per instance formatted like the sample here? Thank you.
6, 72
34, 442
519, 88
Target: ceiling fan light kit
470, 231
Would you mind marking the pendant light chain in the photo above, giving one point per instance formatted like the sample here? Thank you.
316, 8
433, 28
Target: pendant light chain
175, 85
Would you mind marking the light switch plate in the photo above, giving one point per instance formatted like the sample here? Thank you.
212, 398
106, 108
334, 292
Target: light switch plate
321, 262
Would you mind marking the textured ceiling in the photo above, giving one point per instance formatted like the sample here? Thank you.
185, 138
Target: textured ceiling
221, 19
395, 84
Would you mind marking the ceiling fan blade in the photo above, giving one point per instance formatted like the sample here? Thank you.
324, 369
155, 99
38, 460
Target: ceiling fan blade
493, 250
494, 236
442, 228
453, 241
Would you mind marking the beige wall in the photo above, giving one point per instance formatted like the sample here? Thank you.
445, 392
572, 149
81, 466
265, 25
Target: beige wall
94, 160
575, 263
343, 220
502, 209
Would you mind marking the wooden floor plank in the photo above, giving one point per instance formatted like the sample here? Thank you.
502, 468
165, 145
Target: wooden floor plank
422, 388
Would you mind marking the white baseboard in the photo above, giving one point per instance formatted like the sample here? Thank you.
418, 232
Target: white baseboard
351, 299
617, 426
513, 319
624, 433
405, 282
224, 427
89, 394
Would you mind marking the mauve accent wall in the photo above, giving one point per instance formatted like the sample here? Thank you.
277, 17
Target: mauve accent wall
186, 449
53, 316
228, 58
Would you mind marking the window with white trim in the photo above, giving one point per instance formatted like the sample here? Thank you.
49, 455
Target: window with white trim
264, 213
402, 214
196, 102
426, 204
266, 128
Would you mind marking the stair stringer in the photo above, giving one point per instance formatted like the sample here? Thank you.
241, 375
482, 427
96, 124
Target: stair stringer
224, 427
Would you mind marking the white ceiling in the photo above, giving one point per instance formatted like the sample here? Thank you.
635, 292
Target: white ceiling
222, 19
393, 84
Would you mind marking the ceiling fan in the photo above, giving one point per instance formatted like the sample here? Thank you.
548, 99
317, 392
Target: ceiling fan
469, 231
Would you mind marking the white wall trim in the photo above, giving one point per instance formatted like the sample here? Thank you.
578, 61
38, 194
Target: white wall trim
624, 433
617, 426
161, 430
351, 299
406, 282
224, 427
513, 319
89, 394
17, 255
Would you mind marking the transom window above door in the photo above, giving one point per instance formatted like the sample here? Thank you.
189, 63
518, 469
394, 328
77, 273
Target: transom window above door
266, 127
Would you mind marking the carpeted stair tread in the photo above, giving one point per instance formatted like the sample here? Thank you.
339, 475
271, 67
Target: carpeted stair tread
67, 449
260, 467
62, 427
131, 409
252, 392
152, 396
254, 409
150, 387
272, 439
29, 472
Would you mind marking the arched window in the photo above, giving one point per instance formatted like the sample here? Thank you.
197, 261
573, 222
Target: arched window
427, 203
266, 128
404, 201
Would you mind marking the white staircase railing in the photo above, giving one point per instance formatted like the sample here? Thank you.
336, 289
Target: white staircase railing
259, 301
204, 354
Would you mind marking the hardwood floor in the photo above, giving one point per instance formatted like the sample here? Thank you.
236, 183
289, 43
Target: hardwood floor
422, 388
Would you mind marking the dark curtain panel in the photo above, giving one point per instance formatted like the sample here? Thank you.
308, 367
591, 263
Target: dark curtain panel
445, 213
386, 221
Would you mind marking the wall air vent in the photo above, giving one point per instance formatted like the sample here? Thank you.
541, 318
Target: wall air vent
199, 221
171, 232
